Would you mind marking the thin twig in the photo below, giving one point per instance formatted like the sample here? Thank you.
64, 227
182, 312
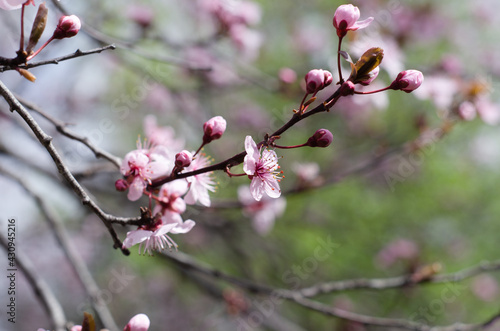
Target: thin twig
40, 287
77, 53
46, 141
79, 267
63, 129
299, 296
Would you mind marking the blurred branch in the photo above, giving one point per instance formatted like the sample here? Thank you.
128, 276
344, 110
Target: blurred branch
105, 39
77, 53
40, 287
299, 296
46, 141
62, 128
81, 270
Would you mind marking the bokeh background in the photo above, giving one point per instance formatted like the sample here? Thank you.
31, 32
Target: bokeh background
437, 206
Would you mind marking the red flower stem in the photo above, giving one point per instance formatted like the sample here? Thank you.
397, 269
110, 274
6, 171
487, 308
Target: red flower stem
290, 147
372, 92
199, 149
40, 49
339, 68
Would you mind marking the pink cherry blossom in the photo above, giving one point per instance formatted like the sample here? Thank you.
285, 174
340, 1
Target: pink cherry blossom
171, 205
163, 136
156, 240
200, 184
12, 4
140, 167
264, 212
262, 170
139, 322
346, 19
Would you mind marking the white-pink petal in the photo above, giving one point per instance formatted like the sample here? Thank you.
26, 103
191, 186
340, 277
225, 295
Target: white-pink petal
185, 227
136, 189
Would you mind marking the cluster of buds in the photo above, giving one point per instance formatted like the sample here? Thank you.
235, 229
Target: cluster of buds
147, 168
67, 27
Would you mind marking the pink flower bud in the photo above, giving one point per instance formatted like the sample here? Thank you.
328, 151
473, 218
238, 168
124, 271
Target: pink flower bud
347, 88
346, 18
183, 159
317, 79
67, 27
139, 322
321, 138
408, 81
121, 185
213, 129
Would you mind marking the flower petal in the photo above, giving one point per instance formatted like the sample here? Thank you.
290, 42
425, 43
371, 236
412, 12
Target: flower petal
135, 189
361, 24
135, 237
272, 187
257, 188
184, 227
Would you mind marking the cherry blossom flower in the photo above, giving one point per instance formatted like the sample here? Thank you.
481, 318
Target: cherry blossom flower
346, 19
399, 249
139, 322
264, 212
13, 4
171, 205
162, 137
200, 184
152, 240
262, 170
139, 167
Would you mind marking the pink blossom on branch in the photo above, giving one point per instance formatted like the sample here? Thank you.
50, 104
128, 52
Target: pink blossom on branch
346, 19
264, 212
200, 184
262, 170
13, 4
139, 322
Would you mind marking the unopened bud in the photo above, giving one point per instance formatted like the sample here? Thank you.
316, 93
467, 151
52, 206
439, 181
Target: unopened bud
38, 27
139, 322
213, 129
67, 27
183, 159
321, 138
408, 81
347, 88
26, 74
371, 77
317, 79
121, 185
346, 19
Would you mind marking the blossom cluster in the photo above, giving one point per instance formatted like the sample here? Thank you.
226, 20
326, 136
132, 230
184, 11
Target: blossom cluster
171, 177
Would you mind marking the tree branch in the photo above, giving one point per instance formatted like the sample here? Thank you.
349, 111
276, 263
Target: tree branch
79, 267
46, 141
40, 287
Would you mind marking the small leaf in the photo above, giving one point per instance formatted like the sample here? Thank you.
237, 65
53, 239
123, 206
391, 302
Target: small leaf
308, 102
38, 27
88, 323
26, 74
366, 63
